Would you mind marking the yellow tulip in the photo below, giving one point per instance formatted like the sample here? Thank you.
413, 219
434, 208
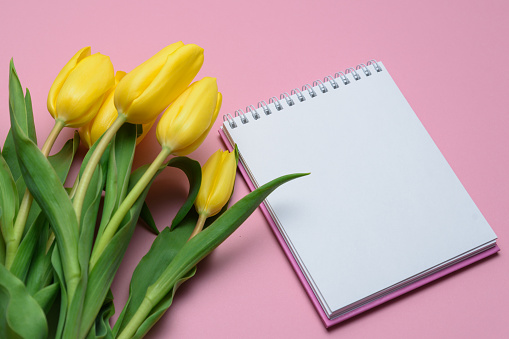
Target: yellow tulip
107, 114
148, 89
185, 124
218, 177
79, 89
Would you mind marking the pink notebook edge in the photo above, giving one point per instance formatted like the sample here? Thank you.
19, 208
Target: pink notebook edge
330, 322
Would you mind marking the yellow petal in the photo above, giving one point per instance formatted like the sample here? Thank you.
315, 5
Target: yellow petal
104, 118
84, 132
137, 81
177, 73
61, 77
189, 116
84, 90
107, 114
223, 185
191, 148
218, 178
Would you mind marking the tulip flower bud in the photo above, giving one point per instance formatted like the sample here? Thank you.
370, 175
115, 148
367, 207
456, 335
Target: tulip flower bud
79, 89
148, 89
218, 177
107, 114
185, 124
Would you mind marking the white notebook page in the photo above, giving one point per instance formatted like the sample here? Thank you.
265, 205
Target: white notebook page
381, 204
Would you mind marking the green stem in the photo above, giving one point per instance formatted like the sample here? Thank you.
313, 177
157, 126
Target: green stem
26, 202
125, 206
141, 314
52, 137
199, 225
85, 179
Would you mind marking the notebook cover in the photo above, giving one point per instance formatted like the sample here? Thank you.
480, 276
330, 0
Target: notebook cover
329, 322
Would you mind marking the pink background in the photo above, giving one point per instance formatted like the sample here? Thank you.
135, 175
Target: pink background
448, 58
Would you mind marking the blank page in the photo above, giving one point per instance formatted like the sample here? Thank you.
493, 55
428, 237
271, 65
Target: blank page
381, 204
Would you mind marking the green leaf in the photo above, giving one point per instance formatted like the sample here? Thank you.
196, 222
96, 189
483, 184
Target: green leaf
164, 248
2, 247
62, 161
101, 276
146, 216
74, 316
183, 264
27, 248
59, 278
120, 161
91, 202
9, 154
25, 119
101, 327
46, 296
8, 201
30, 125
162, 306
41, 272
192, 169
46, 188
20, 314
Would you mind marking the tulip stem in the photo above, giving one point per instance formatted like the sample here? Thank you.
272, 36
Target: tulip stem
26, 202
199, 225
138, 318
85, 179
52, 137
125, 206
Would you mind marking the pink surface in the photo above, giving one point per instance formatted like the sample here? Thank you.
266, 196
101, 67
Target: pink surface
446, 57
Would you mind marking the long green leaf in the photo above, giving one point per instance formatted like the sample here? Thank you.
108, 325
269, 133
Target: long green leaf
20, 314
2, 248
101, 276
201, 245
164, 248
8, 203
61, 163
25, 117
166, 245
89, 217
158, 310
47, 190
121, 157
73, 318
41, 271
101, 327
56, 262
46, 296
27, 248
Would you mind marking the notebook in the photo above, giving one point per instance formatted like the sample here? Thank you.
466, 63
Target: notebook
381, 213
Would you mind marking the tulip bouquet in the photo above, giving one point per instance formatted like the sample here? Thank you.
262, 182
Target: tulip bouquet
58, 253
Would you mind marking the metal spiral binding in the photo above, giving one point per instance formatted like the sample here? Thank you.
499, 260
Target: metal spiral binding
276, 103
320, 84
332, 80
263, 105
289, 100
299, 94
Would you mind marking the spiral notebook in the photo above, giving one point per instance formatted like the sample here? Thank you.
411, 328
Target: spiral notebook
381, 213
